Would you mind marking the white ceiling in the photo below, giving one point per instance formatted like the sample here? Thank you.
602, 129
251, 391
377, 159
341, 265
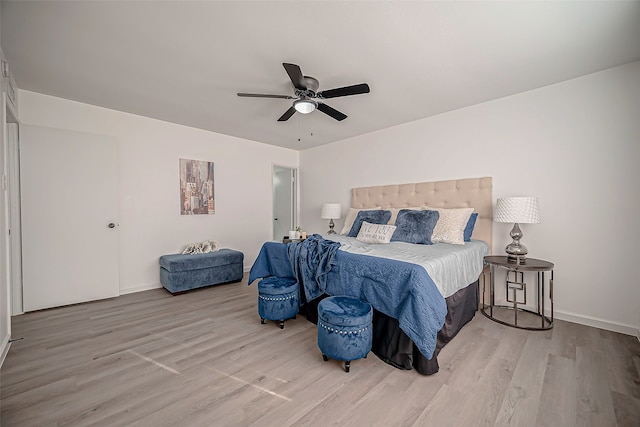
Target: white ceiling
183, 62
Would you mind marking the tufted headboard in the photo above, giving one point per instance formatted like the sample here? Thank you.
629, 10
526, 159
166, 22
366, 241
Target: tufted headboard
459, 193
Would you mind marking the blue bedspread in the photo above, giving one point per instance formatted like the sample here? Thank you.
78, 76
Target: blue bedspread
398, 289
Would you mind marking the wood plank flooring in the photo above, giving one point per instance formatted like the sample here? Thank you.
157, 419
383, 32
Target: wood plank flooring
204, 359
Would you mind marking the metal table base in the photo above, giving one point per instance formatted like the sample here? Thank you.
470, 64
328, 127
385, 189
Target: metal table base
515, 284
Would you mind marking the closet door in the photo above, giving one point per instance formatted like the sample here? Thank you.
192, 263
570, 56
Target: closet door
69, 217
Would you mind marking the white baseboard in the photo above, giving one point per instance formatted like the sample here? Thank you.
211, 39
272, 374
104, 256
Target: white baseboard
139, 289
598, 323
149, 287
584, 320
4, 350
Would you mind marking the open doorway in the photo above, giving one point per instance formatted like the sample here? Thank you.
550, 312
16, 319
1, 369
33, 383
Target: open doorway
284, 201
14, 218
9, 229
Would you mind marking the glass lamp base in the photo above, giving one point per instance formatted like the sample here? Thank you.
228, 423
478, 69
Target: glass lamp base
331, 225
516, 251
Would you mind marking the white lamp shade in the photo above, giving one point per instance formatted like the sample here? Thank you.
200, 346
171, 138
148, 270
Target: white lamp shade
521, 210
331, 211
304, 106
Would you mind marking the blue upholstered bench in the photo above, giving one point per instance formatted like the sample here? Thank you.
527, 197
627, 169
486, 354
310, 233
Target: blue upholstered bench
344, 329
183, 272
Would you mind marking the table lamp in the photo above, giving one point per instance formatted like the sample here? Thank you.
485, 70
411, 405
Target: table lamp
331, 211
518, 210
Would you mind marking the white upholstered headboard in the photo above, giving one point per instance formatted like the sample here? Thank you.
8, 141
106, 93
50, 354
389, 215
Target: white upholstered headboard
459, 193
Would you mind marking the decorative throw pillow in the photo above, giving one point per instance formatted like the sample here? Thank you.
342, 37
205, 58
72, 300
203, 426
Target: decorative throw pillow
375, 233
468, 230
372, 217
415, 226
451, 225
394, 212
351, 217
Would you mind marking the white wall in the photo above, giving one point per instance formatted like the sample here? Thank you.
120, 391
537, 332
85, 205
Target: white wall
148, 153
575, 145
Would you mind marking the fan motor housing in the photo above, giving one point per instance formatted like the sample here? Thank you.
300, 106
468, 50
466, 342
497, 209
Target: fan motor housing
312, 84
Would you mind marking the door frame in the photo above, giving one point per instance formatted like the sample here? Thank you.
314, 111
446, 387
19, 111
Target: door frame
15, 238
295, 196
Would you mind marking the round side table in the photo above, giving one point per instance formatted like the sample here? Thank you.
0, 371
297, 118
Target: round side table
514, 282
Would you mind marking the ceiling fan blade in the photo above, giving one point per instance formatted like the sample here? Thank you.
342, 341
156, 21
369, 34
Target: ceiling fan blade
331, 112
295, 74
287, 114
260, 95
344, 91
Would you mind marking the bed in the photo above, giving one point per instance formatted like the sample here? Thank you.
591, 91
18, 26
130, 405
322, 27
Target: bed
412, 322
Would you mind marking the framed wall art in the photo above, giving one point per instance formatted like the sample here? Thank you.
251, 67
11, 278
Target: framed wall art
196, 188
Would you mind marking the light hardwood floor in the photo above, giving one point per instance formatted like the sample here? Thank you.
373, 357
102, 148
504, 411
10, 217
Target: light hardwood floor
204, 359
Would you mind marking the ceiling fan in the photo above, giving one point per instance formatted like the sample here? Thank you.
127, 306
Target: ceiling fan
306, 93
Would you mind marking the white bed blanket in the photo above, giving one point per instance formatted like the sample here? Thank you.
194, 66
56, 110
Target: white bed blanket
451, 267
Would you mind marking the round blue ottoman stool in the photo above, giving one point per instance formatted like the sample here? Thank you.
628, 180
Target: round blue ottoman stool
278, 299
344, 329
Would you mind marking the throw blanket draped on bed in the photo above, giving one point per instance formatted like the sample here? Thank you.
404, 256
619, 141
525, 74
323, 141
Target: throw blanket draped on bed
398, 289
311, 260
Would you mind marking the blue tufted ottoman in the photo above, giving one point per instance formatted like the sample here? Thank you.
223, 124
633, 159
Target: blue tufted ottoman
182, 272
344, 329
278, 299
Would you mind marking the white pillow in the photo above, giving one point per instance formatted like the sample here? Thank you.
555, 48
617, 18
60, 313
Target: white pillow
450, 225
394, 212
351, 217
375, 233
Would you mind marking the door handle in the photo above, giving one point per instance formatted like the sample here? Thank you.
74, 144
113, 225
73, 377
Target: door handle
111, 225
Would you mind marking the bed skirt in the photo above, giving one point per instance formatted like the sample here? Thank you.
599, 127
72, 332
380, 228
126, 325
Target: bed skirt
394, 347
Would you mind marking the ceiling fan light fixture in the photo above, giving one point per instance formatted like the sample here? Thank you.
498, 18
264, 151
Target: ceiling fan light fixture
305, 106
305, 90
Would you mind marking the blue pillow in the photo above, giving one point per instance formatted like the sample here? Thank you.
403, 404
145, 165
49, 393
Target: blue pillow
414, 226
468, 230
372, 217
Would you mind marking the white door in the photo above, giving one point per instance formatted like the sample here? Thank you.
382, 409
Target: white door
283, 201
69, 200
